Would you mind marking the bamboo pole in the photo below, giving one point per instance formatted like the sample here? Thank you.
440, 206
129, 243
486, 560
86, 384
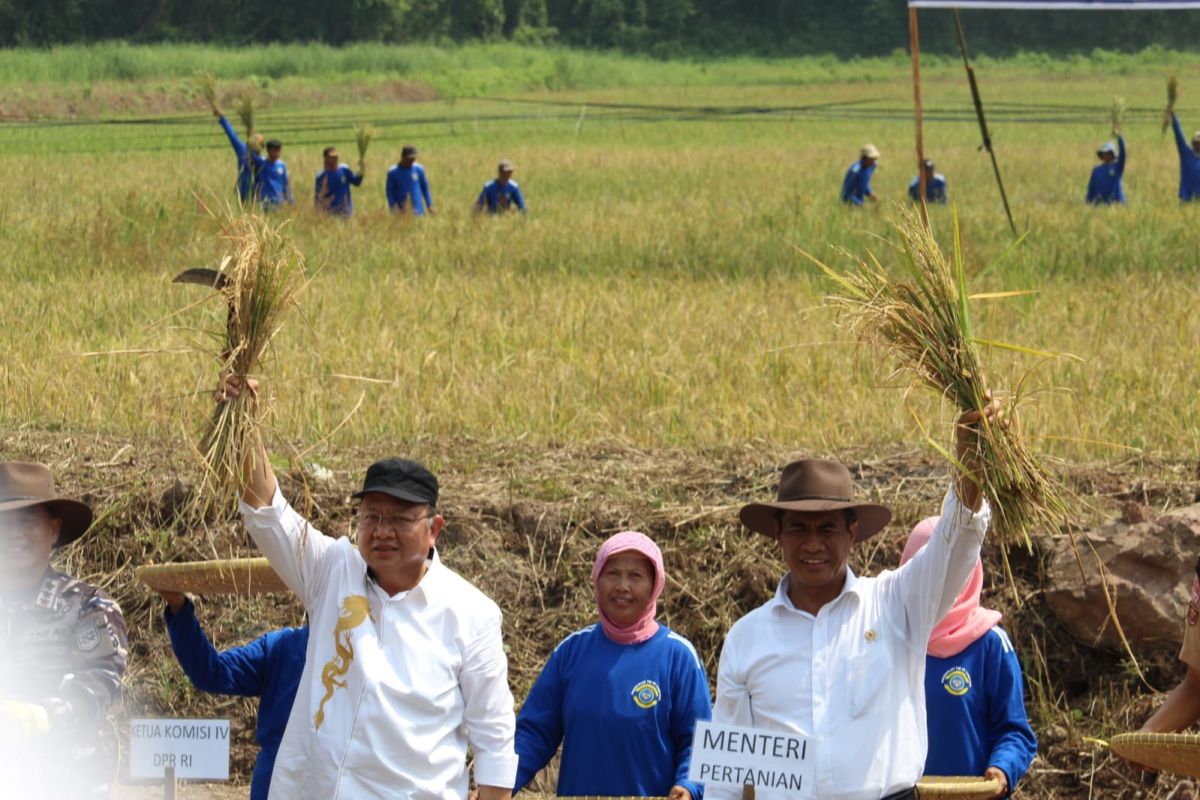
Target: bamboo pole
914, 43
987, 139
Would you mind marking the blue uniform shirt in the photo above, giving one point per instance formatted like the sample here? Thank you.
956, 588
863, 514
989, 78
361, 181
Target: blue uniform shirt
408, 185
623, 713
269, 668
1189, 165
1105, 186
856, 186
248, 162
333, 190
498, 198
273, 186
976, 711
935, 190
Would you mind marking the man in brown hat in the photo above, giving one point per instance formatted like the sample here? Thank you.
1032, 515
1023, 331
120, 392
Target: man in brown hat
62, 641
837, 657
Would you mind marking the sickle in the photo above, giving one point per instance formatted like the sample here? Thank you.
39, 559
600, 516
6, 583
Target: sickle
217, 280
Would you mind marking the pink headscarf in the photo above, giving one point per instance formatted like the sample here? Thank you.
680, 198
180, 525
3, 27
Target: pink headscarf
645, 626
966, 620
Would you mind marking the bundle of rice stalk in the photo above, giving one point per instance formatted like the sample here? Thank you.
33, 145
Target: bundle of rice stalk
206, 82
924, 323
246, 110
1118, 114
363, 135
262, 277
1172, 96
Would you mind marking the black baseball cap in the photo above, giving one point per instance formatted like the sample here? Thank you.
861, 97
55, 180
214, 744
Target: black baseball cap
401, 478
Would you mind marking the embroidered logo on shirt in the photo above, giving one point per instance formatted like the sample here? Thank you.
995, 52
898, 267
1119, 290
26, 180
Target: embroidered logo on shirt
355, 610
1194, 607
957, 681
646, 694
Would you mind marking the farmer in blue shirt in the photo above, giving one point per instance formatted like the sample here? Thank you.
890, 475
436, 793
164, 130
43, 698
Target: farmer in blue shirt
1105, 185
622, 697
856, 187
407, 186
249, 157
935, 186
274, 188
502, 193
1189, 163
333, 185
974, 693
268, 668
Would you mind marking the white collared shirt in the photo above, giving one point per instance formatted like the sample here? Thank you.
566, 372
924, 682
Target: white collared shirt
851, 677
394, 688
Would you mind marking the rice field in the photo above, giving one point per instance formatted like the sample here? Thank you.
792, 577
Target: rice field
653, 296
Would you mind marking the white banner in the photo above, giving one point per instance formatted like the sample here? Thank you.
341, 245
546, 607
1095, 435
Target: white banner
1061, 5
728, 755
198, 749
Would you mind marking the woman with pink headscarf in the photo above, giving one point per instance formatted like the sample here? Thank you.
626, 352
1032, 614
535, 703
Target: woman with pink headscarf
974, 694
621, 696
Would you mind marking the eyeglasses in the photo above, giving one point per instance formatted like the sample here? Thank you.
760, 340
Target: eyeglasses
370, 522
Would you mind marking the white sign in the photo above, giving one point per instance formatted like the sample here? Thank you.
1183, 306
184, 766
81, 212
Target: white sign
728, 755
197, 748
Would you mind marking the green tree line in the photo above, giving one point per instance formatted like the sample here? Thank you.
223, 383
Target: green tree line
666, 27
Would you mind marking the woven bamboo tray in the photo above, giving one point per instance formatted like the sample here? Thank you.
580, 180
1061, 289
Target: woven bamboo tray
244, 576
957, 788
1178, 753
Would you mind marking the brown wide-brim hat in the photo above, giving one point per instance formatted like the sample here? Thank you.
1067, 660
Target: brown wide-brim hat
23, 485
814, 485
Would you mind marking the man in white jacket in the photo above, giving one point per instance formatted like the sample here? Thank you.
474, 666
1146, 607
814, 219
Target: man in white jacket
405, 664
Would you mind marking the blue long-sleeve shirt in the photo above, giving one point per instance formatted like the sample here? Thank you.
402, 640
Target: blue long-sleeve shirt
332, 192
248, 162
624, 714
1189, 165
498, 197
408, 188
976, 711
856, 186
1105, 185
268, 667
935, 190
274, 188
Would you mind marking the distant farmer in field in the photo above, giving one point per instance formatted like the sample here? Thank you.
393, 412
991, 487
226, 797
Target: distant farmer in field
935, 186
268, 667
1105, 186
407, 186
1182, 708
1189, 163
333, 184
406, 665
974, 692
63, 644
501, 193
248, 158
841, 658
856, 186
627, 685
274, 188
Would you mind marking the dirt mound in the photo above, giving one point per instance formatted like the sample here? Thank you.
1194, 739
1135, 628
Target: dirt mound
524, 523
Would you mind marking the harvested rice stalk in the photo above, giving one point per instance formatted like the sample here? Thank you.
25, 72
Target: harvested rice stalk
363, 135
1172, 96
1118, 114
923, 321
262, 277
246, 111
206, 82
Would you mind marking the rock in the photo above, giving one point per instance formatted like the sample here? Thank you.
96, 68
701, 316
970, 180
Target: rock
1149, 564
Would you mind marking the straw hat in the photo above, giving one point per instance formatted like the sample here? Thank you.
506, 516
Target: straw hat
24, 485
814, 484
243, 576
870, 151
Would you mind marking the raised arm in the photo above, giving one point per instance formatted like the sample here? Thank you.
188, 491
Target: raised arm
1120, 155
488, 715
1181, 142
239, 146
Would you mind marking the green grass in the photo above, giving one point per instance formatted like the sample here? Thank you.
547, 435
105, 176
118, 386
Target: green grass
653, 295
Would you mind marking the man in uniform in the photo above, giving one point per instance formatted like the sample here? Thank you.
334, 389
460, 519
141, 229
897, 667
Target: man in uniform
1182, 707
62, 646
501, 193
856, 186
333, 184
407, 185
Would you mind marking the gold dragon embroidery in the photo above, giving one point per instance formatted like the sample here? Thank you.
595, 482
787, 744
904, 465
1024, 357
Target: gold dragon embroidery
355, 609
